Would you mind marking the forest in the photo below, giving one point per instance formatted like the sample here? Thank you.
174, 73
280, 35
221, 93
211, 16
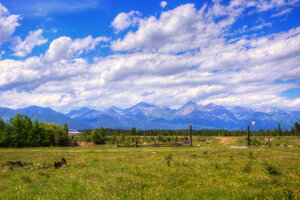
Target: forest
277, 131
20, 131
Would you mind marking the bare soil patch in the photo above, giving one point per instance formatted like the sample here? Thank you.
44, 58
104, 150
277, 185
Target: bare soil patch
227, 140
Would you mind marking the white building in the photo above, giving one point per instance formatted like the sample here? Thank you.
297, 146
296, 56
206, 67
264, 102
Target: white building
74, 132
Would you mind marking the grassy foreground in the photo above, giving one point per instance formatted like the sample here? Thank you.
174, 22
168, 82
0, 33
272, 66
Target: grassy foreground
210, 171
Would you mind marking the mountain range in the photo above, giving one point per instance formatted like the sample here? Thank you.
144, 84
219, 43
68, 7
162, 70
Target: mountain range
148, 116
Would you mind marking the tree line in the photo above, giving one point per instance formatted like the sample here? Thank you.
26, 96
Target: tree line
277, 131
20, 131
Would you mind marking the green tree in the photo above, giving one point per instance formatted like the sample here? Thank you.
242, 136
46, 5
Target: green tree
98, 136
94, 136
297, 128
18, 136
66, 128
2, 124
27, 131
279, 130
292, 131
36, 134
133, 131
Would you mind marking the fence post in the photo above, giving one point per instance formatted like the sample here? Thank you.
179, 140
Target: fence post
248, 135
269, 142
191, 142
135, 142
117, 143
174, 142
154, 142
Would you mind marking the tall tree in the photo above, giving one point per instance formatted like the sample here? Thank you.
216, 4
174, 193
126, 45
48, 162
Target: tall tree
27, 131
36, 134
279, 130
297, 128
292, 131
133, 131
66, 128
18, 136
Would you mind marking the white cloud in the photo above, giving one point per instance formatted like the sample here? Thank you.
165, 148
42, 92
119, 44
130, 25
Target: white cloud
283, 12
8, 24
208, 69
163, 4
59, 62
65, 48
176, 30
261, 26
123, 20
267, 5
33, 39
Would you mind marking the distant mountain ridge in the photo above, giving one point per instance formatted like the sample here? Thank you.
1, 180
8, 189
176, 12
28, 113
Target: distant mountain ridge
148, 116
44, 115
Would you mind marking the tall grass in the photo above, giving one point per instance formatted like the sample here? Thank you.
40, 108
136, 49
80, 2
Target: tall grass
211, 171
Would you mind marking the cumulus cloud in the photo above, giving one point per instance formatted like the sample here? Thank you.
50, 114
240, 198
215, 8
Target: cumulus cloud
65, 48
180, 29
124, 20
163, 4
8, 24
33, 39
59, 62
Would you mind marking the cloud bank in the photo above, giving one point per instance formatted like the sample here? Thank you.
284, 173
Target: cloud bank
183, 54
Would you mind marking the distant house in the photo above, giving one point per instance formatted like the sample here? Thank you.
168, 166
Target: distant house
74, 132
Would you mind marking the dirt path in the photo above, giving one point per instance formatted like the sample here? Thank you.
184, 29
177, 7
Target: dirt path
227, 140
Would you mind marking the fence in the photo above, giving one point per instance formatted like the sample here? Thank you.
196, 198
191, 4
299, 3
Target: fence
174, 143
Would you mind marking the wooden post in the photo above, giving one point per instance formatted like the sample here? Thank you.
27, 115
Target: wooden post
269, 142
117, 143
135, 142
191, 142
248, 135
174, 142
154, 142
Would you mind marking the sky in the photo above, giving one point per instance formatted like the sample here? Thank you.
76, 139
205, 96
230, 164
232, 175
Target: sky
99, 53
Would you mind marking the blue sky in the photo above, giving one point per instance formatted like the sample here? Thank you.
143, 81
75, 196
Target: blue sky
98, 53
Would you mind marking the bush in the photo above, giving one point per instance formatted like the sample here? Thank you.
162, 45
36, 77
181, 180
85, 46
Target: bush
168, 159
161, 138
271, 169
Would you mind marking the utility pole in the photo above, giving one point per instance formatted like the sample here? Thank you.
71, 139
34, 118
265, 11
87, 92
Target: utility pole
191, 139
248, 135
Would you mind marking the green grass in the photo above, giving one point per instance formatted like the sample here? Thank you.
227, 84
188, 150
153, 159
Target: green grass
211, 171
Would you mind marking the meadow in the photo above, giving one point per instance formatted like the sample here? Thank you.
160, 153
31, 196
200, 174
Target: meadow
208, 170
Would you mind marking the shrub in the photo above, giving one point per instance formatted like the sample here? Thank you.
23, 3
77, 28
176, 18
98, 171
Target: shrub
168, 159
161, 138
185, 138
271, 169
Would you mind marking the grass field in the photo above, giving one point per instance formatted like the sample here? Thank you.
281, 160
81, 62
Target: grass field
210, 171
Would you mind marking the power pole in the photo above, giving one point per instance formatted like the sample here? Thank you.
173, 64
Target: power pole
248, 135
191, 142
